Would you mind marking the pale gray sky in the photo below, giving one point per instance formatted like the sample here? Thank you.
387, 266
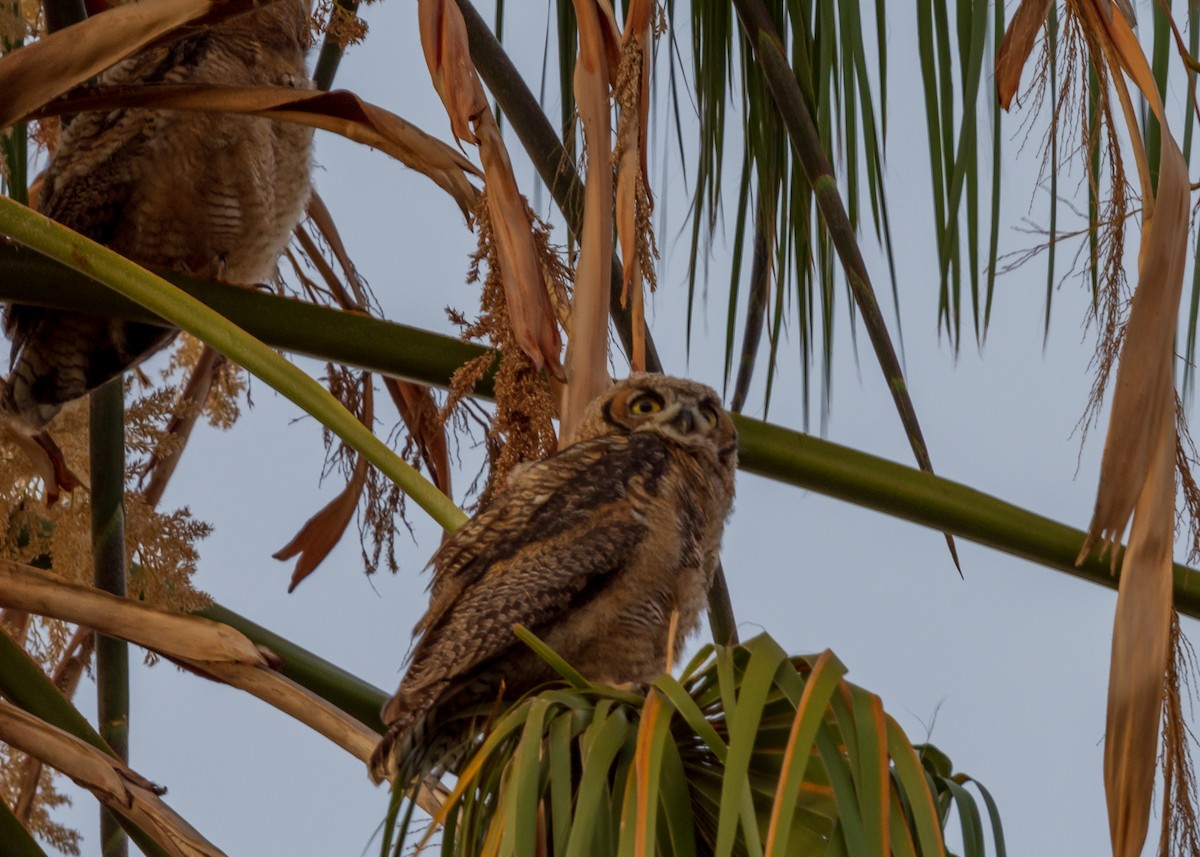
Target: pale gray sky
1005, 670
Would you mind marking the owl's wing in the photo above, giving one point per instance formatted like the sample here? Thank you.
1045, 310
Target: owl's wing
543, 548
550, 497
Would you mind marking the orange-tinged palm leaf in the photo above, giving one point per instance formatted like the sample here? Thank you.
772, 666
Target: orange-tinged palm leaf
444, 38
1140, 650
338, 111
1141, 399
54, 64
587, 353
1018, 43
1137, 476
529, 309
321, 533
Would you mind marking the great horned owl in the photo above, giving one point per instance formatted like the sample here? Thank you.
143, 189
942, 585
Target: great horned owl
592, 549
212, 195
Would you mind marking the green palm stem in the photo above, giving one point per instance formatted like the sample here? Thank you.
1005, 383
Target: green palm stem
181, 310
360, 699
17, 840
332, 50
23, 683
106, 438
106, 435
806, 141
768, 450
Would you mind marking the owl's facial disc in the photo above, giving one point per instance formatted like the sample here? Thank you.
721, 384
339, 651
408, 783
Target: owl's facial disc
685, 419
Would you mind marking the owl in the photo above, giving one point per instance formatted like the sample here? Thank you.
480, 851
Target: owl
593, 549
212, 195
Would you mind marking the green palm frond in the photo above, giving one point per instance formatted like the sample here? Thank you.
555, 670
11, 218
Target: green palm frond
842, 78
749, 752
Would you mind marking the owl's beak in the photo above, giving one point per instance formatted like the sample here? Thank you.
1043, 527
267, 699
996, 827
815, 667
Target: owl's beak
686, 420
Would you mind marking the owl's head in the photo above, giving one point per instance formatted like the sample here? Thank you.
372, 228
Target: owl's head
687, 412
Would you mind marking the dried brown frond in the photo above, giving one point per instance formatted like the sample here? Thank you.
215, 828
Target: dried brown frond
161, 548
315, 257
1180, 829
522, 427
380, 517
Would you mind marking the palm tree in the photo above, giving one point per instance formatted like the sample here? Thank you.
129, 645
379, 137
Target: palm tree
813, 110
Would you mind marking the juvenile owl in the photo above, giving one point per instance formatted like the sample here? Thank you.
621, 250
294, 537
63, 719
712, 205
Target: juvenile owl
212, 195
592, 549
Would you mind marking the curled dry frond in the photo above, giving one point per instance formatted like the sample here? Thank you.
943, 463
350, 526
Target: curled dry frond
339, 111
522, 427
530, 313
116, 785
587, 350
56, 63
43, 800
1142, 448
210, 648
161, 545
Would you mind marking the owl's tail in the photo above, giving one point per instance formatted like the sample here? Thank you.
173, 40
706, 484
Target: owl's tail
427, 735
405, 751
62, 356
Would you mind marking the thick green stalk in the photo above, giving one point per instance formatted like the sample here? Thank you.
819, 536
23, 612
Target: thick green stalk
17, 840
876, 483
295, 326
107, 451
764, 449
332, 50
156, 294
358, 698
806, 141
23, 683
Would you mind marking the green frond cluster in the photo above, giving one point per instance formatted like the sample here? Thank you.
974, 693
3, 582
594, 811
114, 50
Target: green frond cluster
749, 752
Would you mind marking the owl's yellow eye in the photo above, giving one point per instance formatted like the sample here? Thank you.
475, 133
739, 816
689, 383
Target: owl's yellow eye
710, 415
646, 403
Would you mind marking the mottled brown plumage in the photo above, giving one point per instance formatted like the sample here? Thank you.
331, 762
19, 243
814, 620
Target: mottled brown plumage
592, 549
212, 195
